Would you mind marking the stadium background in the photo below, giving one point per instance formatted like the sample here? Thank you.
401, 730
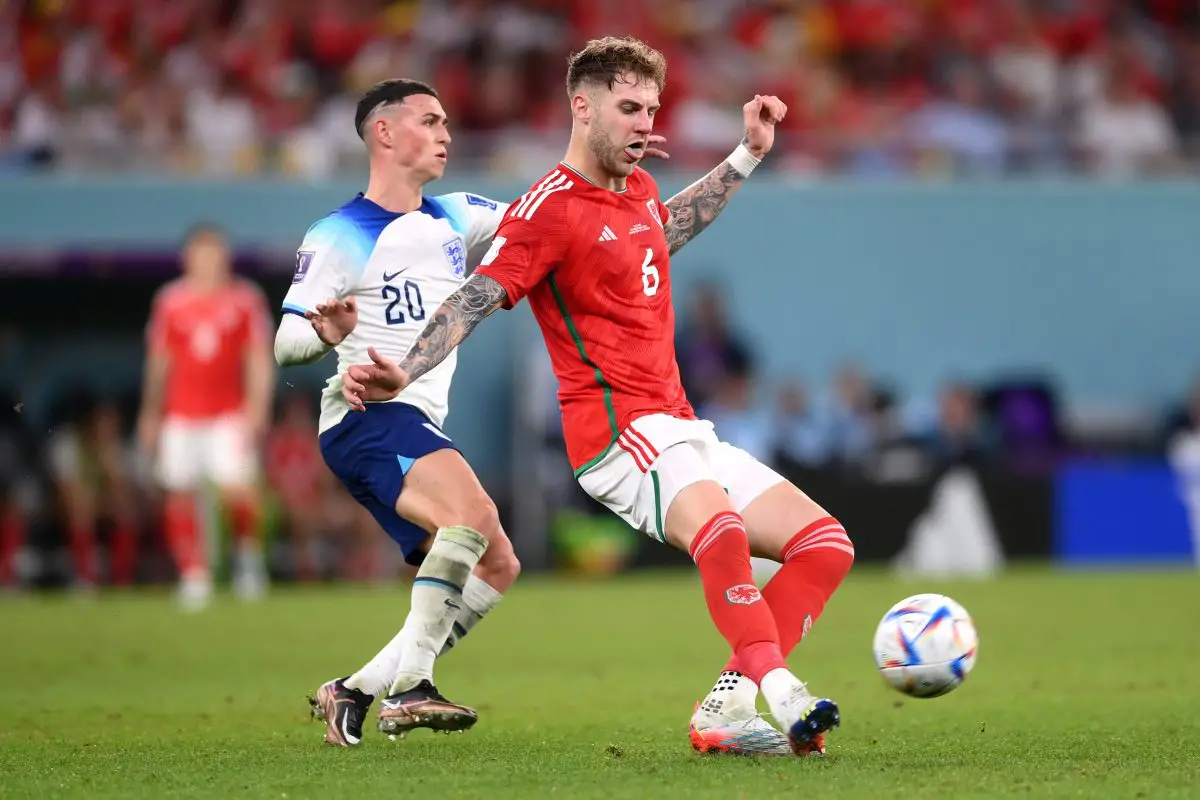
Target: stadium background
969, 253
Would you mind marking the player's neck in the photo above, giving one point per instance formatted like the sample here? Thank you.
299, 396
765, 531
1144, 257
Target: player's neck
581, 161
393, 191
204, 285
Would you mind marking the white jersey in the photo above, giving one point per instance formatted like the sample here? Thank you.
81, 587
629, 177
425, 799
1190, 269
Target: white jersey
399, 268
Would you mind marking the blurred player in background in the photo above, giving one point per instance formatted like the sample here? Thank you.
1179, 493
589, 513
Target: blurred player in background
298, 477
206, 403
94, 469
590, 244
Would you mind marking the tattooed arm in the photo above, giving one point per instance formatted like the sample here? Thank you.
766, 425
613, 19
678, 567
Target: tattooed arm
454, 320
694, 209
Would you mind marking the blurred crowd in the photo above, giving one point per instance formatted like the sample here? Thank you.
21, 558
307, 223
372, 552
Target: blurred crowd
877, 88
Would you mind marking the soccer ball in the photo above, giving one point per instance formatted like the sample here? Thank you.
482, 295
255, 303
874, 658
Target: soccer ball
925, 645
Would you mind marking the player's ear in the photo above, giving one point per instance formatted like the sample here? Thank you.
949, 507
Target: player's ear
384, 130
581, 107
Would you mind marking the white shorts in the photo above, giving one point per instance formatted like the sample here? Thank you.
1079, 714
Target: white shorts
657, 457
191, 452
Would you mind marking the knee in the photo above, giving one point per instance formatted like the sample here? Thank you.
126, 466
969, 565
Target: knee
499, 566
825, 540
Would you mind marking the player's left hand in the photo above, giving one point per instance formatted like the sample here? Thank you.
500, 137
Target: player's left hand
760, 117
654, 144
377, 382
333, 320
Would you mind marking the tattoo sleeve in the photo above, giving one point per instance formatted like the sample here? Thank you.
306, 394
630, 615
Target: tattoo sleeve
451, 323
694, 209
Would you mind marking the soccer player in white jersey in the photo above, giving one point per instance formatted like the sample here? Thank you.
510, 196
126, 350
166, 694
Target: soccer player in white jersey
369, 274
367, 278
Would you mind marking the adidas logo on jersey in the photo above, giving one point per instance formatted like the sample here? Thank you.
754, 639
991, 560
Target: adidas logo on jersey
607, 235
638, 228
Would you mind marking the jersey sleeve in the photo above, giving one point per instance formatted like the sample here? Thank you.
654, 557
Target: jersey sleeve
329, 263
477, 218
531, 241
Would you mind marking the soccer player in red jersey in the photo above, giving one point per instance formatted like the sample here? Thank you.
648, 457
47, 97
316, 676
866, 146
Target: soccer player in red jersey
590, 245
206, 402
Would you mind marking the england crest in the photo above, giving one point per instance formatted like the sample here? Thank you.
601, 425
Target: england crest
456, 257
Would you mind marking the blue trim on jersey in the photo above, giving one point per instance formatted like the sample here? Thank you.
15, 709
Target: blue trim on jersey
405, 463
292, 308
370, 217
443, 207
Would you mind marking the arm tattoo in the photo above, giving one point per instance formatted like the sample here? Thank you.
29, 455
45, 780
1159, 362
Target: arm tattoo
694, 209
451, 323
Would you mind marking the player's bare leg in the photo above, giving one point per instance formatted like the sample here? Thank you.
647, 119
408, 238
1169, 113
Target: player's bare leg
785, 525
469, 564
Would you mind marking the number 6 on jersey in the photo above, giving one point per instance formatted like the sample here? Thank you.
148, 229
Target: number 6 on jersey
649, 275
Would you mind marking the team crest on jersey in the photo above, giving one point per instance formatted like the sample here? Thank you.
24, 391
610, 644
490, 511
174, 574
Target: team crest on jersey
743, 594
456, 256
303, 261
653, 206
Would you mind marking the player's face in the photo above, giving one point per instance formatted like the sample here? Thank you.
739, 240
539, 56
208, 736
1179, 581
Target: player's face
206, 259
417, 132
621, 122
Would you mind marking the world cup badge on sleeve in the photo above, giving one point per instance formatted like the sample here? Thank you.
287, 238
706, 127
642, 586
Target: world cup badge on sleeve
456, 257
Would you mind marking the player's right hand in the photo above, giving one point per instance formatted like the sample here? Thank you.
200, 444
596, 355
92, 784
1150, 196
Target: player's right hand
377, 382
333, 320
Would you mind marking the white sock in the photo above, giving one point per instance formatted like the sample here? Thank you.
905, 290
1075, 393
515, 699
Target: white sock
777, 687
376, 676
479, 597
436, 603
733, 695
448, 558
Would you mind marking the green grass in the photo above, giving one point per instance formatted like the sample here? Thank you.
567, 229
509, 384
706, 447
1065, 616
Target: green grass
1087, 685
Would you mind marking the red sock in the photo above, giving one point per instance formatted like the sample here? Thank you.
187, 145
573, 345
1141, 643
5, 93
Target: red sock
123, 552
245, 520
722, 553
82, 541
183, 535
814, 562
12, 539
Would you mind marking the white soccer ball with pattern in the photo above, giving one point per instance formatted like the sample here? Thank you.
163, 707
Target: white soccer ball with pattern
925, 645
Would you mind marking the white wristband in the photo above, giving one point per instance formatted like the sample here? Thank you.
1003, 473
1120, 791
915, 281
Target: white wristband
742, 160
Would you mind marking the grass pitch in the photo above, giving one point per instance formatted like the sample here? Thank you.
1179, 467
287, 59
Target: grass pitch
1087, 685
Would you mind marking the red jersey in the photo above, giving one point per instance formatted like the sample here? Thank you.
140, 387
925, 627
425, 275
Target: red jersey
596, 267
205, 336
